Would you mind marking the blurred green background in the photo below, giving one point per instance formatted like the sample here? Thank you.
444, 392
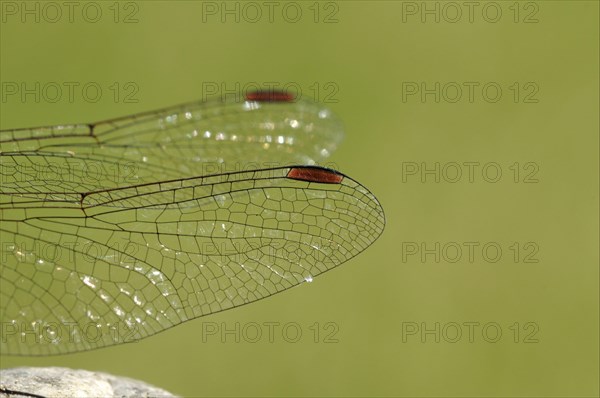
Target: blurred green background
390, 304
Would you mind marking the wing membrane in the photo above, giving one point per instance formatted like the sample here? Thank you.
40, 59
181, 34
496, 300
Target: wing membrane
117, 230
187, 140
123, 264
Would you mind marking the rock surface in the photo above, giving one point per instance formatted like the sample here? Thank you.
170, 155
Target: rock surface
66, 383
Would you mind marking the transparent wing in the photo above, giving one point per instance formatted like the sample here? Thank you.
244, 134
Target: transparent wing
187, 140
82, 271
117, 230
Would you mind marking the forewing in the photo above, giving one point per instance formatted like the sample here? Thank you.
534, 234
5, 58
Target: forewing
133, 261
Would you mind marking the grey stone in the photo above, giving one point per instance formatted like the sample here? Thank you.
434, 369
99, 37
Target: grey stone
66, 383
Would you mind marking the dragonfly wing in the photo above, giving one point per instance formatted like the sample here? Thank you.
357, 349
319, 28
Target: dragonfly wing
188, 140
134, 261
